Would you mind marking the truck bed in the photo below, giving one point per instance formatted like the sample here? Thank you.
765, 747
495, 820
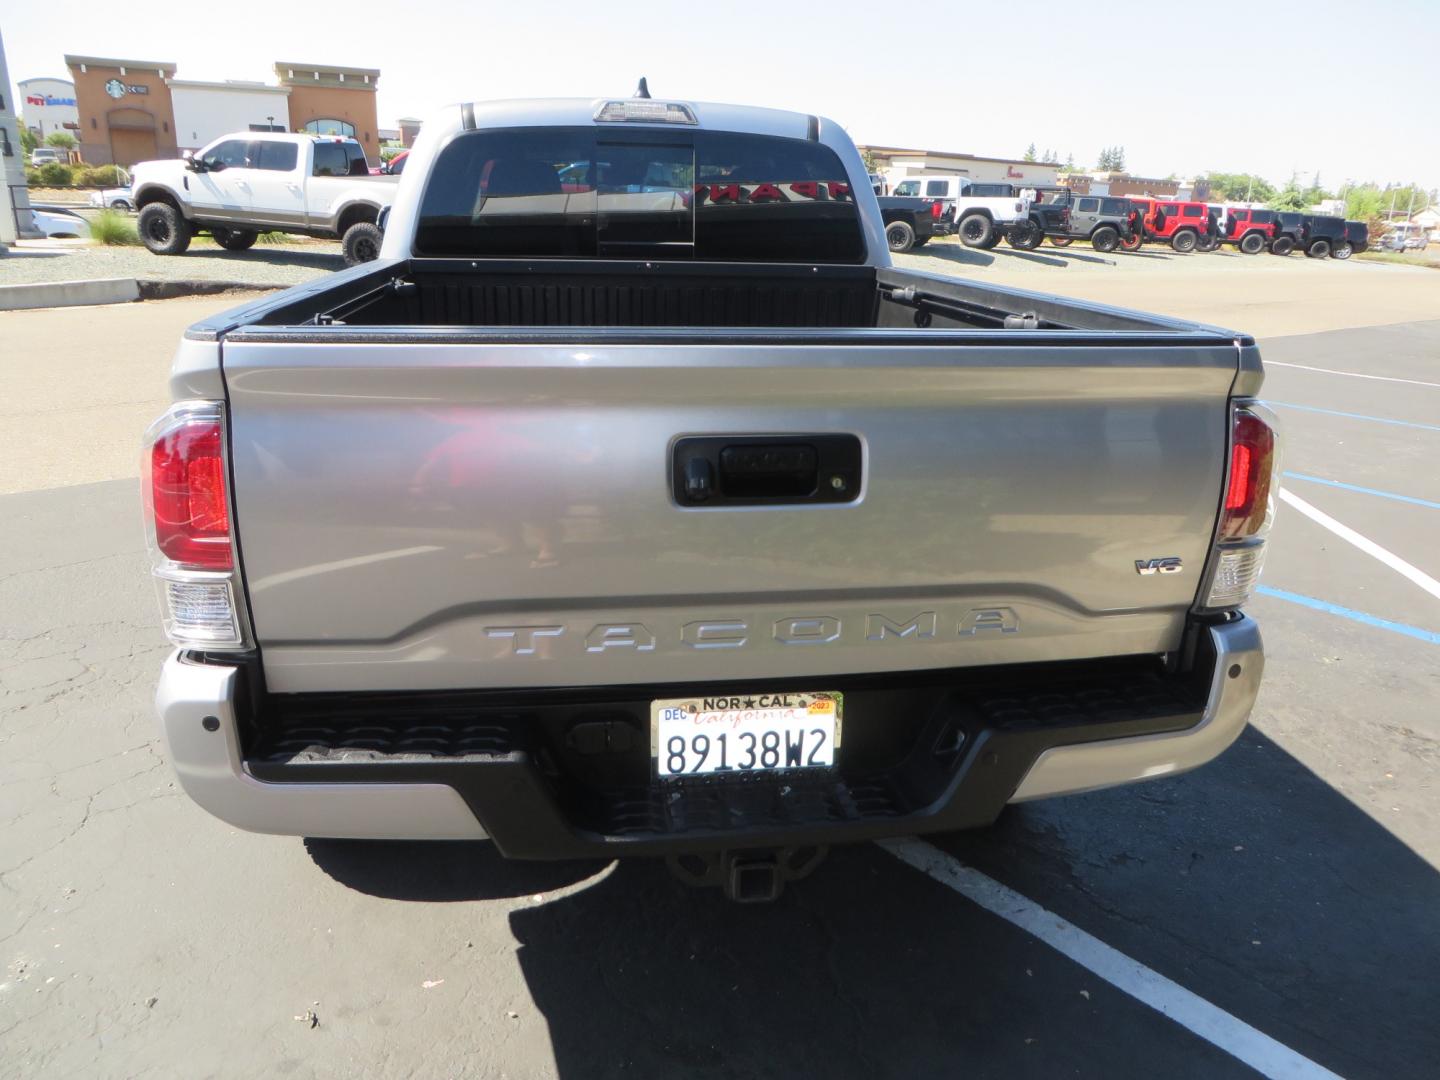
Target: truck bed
393, 296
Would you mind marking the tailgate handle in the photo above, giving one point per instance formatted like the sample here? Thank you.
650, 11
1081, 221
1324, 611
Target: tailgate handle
757, 470
774, 469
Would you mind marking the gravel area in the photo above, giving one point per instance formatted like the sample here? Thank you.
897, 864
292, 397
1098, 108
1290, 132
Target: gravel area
265, 264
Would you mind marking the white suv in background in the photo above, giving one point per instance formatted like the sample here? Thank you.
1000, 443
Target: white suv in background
983, 212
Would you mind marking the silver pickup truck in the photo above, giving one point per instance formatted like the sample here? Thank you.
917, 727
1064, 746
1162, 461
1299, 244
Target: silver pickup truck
632, 503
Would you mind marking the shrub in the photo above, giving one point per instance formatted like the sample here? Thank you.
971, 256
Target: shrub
61, 140
32, 176
98, 176
55, 174
113, 228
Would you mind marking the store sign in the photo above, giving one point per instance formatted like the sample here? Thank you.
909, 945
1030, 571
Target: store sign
45, 100
117, 89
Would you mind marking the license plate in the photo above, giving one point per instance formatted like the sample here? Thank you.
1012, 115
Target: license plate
740, 734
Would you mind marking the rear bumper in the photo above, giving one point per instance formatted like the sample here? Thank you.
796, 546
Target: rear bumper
968, 760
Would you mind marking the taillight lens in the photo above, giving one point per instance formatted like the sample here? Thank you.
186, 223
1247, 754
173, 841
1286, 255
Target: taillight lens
1248, 508
1248, 502
935, 210
188, 524
187, 486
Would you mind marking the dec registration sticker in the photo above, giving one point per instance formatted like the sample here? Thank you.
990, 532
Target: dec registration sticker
740, 734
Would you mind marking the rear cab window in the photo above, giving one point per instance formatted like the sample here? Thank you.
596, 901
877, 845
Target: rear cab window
330, 160
1087, 206
1191, 210
639, 194
940, 188
1114, 207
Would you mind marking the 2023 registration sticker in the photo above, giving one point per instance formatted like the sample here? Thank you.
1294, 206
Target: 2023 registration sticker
745, 733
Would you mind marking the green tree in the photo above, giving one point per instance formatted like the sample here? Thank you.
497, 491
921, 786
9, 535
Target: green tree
61, 140
1117, 158
1030, 152
1290, 197
1069, 160
28, 139
1239, 187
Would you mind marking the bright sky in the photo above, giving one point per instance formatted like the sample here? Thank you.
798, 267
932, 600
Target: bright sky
1354, 97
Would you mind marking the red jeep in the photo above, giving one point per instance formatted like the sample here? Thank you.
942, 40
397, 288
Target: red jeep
1181, 223
1249, 230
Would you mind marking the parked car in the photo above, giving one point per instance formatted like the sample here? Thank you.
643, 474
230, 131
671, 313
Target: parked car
60, 223
1108, 222
1357, 239
1182, 224
1404, 237
244, 184
912, 222
1291, 232
116, 198
980, 220
1249, 230
542, 515
45, 155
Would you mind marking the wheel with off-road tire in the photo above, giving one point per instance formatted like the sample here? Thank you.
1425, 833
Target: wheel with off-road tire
899, 236
1184, 241
163, 229
1283, 245
361, 242
1024, 236
1206, 243
1320, 249
1132, 242
234, 239
1342, 250
1106, 238
1252, 243
975, 230
1062, 241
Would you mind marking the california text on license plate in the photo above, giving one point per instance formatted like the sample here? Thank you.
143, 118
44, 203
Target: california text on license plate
744, 733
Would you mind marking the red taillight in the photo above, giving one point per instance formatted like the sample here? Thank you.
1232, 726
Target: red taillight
935, 210
187, 486
1252, 461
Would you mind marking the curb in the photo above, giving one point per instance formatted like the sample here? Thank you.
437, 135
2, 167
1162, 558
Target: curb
53, 294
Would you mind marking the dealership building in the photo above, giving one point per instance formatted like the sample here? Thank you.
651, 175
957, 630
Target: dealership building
137, 110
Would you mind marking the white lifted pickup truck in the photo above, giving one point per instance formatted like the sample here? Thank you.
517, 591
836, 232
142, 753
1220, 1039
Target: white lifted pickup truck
633, 503
252, 182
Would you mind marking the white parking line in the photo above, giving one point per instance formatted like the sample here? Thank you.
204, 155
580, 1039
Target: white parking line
1364, 543
1189, 1010
1353, 374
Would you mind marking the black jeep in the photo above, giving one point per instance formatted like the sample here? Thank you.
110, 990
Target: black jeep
1323, 234
1357, 239
1291, 232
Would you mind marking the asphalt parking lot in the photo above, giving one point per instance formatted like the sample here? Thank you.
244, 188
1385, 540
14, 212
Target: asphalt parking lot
1273, 913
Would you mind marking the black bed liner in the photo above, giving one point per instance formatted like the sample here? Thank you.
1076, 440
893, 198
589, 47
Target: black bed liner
441, 299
